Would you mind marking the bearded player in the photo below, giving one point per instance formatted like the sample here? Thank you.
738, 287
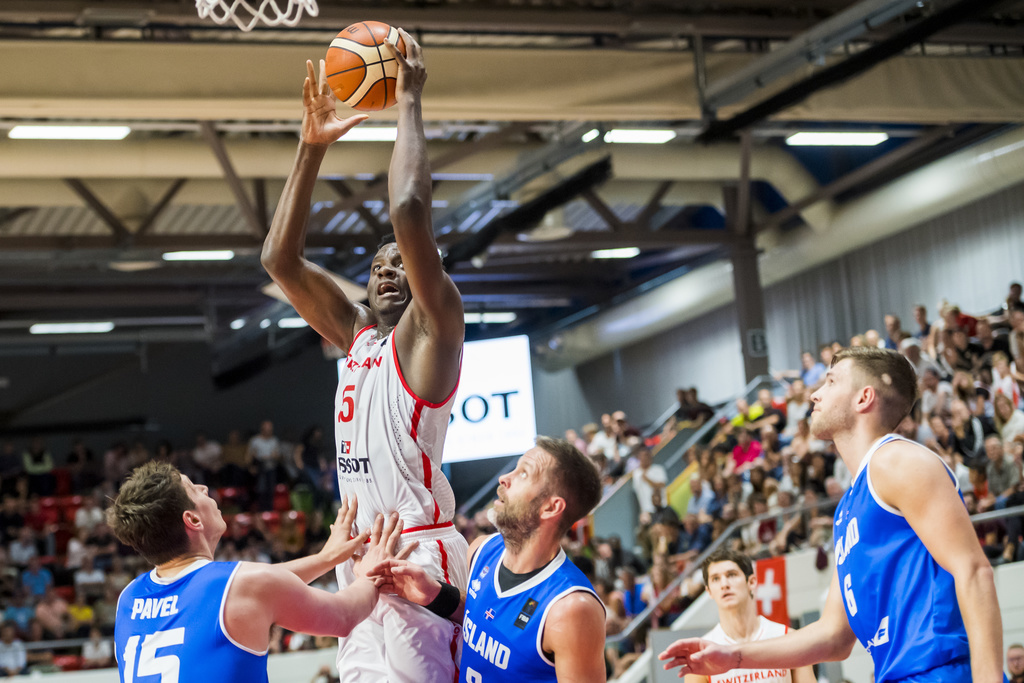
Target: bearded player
911, 583
399, 379
530, 614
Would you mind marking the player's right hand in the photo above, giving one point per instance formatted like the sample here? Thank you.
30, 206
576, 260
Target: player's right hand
412, 73
699, 657
320, 122
408, 581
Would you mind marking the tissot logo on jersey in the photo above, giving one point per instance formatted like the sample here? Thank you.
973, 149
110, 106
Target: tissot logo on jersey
353, 465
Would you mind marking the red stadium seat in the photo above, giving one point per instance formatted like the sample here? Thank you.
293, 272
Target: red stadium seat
68, 662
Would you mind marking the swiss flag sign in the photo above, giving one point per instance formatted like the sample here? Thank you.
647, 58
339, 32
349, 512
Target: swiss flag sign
770, 593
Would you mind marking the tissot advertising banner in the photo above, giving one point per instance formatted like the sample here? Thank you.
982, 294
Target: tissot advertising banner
493, 413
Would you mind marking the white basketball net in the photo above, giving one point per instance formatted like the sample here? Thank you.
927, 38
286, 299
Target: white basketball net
246, 14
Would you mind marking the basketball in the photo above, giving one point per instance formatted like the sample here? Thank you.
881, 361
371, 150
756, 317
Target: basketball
360, 69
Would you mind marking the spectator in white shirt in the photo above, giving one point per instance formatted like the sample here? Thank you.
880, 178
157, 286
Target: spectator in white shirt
936, 394
207, 456
13, 660
648, 478
97, 652
265, 452
89, 515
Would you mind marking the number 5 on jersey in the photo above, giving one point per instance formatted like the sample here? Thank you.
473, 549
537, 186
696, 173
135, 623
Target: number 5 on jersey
150, 664
348, 404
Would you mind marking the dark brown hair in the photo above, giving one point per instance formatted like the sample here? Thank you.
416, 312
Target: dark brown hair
724, 554
573, 478
147, 513
890, 374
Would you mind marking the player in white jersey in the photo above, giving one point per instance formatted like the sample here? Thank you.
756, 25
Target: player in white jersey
399, 379
730, 580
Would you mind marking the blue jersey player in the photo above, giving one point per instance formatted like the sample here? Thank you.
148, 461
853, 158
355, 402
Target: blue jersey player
191, 618
530, 614
911, 583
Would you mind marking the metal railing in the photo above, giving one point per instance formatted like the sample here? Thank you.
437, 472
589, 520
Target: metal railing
645, 616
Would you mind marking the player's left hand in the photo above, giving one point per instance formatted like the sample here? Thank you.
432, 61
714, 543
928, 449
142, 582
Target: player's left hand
412, 73
341, 545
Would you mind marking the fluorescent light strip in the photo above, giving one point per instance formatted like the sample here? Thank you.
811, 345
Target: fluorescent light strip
215, 255
836, 139
622, 252
372, 134
292, 323
591, 135
639, 136
497, 318
71, 328
69, 132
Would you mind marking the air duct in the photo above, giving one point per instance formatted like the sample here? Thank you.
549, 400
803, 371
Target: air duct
926, 193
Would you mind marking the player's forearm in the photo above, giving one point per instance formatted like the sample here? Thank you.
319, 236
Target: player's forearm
308, 568
409, 181
976, 594
811, 645
355, 604
286, 239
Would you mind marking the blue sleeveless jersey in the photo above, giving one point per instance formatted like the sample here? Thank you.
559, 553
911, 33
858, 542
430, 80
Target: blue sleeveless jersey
901, 604
171, 630
502, 631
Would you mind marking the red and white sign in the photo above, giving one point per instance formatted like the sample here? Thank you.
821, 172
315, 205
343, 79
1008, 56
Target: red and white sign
770, 593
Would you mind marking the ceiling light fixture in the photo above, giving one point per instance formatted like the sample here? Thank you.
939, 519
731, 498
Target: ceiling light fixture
71, 328
238, 323
214, 255
372, 134
621, 252
69, 132
836, 139
292, 323
639, 136
591, 135
497, 318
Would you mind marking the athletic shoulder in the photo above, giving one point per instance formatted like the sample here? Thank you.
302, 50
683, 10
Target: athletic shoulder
900, 461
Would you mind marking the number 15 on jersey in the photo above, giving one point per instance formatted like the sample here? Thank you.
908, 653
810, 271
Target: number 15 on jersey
166, 666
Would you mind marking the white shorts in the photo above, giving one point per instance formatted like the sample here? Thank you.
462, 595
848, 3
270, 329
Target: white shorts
401, 642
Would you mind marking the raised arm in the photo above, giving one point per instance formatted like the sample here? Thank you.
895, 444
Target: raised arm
828, 639
935, 512
309, 288
429, 348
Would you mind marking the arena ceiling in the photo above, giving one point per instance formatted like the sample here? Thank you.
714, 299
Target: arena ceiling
514, 88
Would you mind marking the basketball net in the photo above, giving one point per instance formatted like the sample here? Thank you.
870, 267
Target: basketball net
247, 14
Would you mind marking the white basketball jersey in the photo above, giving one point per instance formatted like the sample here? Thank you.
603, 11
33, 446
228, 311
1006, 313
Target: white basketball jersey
389, 441
768, 629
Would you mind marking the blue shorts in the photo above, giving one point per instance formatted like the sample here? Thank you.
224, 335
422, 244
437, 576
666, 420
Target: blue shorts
953, 672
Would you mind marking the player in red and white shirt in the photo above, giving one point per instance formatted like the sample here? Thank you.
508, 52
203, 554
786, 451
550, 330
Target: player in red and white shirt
398, 381
730, 579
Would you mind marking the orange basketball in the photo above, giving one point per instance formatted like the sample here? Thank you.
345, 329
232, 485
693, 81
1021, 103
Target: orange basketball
360, 70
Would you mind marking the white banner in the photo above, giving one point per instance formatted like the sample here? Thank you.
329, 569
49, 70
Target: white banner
493, 413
